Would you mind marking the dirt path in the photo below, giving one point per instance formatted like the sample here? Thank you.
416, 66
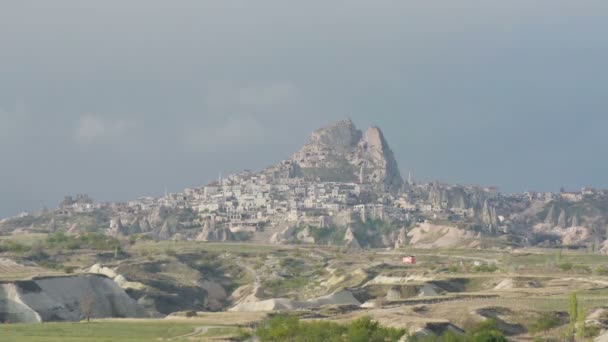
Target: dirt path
200, 330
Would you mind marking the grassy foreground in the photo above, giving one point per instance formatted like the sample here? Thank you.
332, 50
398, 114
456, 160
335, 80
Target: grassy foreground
98, 331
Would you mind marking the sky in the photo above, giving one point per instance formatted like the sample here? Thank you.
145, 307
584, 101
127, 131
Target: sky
126, 98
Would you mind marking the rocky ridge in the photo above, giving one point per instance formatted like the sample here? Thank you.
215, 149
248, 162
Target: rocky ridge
342, 152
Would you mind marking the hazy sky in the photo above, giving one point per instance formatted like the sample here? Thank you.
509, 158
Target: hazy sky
121, 98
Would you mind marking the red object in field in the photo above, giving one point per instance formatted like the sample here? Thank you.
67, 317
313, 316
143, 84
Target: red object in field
409, 259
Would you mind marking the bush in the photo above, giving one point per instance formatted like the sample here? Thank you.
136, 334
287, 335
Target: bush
565, 266
243, 335
290, 328
592, 331
13, 247
602, 270
486, 331
94, 241
486, 268
69, 269
581, 269
191, 314
544, 323
453, 269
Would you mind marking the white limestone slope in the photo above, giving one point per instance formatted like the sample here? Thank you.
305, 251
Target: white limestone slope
59, 299
342, 297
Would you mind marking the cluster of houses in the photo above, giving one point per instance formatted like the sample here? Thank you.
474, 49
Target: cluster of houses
249, 202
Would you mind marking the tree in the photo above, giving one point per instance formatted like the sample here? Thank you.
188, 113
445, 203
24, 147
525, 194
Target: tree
580, 323
486, 331
573, 313
87, 305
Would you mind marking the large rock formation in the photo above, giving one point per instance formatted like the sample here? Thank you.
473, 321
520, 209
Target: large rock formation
117, 229
165, 232
287, 235
61, 298
341, 152
211, 232
350, 240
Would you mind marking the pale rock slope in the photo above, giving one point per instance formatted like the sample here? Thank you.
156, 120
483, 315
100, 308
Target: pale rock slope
60, 298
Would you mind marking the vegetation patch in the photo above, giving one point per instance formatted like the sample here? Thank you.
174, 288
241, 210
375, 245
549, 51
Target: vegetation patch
291, 328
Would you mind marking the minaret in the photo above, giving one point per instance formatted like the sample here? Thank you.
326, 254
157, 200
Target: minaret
410, 179
220, 179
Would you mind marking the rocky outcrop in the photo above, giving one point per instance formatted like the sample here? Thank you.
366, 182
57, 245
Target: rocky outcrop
376, 161
342, 297
550, 218
287, 235
561, 220
52, 226
341, 152
145, 226
211, 232
350, 240
429, 235
74, 230
401, 240
117, 229
165, 232
118, 278
489, 217
306, 236
61, 298
576, 236
135, 227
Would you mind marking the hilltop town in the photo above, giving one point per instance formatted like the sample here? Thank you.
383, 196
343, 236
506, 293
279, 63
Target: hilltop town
342, 188
333, 232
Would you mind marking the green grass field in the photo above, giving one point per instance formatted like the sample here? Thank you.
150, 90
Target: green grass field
97, 331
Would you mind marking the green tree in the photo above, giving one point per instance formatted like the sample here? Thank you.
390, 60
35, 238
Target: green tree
279, 328
573, 313
486, 331
580, 323
290, 328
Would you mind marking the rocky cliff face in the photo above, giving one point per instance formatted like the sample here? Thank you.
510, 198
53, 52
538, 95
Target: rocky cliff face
341, 152
211, 232
60, 298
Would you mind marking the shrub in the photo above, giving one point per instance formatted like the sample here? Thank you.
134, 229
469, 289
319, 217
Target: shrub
13, 247
69, 269
243, 335
602, 270
290, 328
453, 269
544, 323
94, 241
486, 331
581, 269
592, 331
485, 268
565, 266
191, 314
